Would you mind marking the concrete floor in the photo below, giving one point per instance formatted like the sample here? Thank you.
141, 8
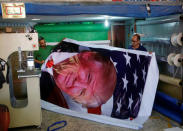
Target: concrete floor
156, 122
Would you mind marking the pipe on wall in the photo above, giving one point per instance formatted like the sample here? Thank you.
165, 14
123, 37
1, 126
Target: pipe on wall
176, 18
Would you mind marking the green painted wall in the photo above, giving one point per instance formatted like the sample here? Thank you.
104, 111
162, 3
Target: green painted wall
81, 32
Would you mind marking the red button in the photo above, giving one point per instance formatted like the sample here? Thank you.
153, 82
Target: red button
34, 46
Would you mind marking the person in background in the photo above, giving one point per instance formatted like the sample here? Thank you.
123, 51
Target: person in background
43, 52
136, 45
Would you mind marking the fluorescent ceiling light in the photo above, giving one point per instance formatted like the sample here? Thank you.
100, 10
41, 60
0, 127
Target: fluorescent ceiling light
35, 19
106, 23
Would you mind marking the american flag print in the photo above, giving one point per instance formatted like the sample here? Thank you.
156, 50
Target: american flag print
131, 69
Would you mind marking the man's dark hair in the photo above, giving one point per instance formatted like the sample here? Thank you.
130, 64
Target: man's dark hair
64, 46
138, 36
41, 38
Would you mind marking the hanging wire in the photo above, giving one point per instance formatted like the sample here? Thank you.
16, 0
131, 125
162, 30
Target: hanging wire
175, 72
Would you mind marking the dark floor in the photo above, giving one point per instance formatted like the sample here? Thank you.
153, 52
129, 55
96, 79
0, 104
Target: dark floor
156, 122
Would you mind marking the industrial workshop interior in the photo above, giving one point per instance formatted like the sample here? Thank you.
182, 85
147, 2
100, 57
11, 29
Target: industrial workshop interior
91, 65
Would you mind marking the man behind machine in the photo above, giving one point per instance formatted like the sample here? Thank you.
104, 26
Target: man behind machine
43, 52
136, 45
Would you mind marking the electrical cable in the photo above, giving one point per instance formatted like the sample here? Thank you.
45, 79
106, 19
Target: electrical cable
59, 122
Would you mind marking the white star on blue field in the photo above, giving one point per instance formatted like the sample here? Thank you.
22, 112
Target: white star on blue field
131, 77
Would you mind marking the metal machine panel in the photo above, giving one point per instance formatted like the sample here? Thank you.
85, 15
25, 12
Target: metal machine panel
9, 43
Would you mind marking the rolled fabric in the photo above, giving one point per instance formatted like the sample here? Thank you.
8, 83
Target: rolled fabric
167, 112
170, 80
178, 60
168, 106
170, 58
180, 39
177, 39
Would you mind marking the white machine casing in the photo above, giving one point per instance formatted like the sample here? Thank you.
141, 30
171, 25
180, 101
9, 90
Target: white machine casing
30, 114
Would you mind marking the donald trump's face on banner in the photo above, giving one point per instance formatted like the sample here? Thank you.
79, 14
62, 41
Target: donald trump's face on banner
88, 78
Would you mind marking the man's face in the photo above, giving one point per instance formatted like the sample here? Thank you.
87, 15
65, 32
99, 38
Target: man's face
42, 43
83, 79
135, 41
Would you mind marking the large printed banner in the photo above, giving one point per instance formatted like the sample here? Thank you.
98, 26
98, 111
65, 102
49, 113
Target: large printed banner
100, 82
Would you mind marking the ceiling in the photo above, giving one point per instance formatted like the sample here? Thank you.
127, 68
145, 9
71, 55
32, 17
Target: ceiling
67, 12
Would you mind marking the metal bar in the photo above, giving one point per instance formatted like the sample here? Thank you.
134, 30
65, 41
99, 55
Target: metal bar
176, 18
28, 76
112, 41
176, 2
